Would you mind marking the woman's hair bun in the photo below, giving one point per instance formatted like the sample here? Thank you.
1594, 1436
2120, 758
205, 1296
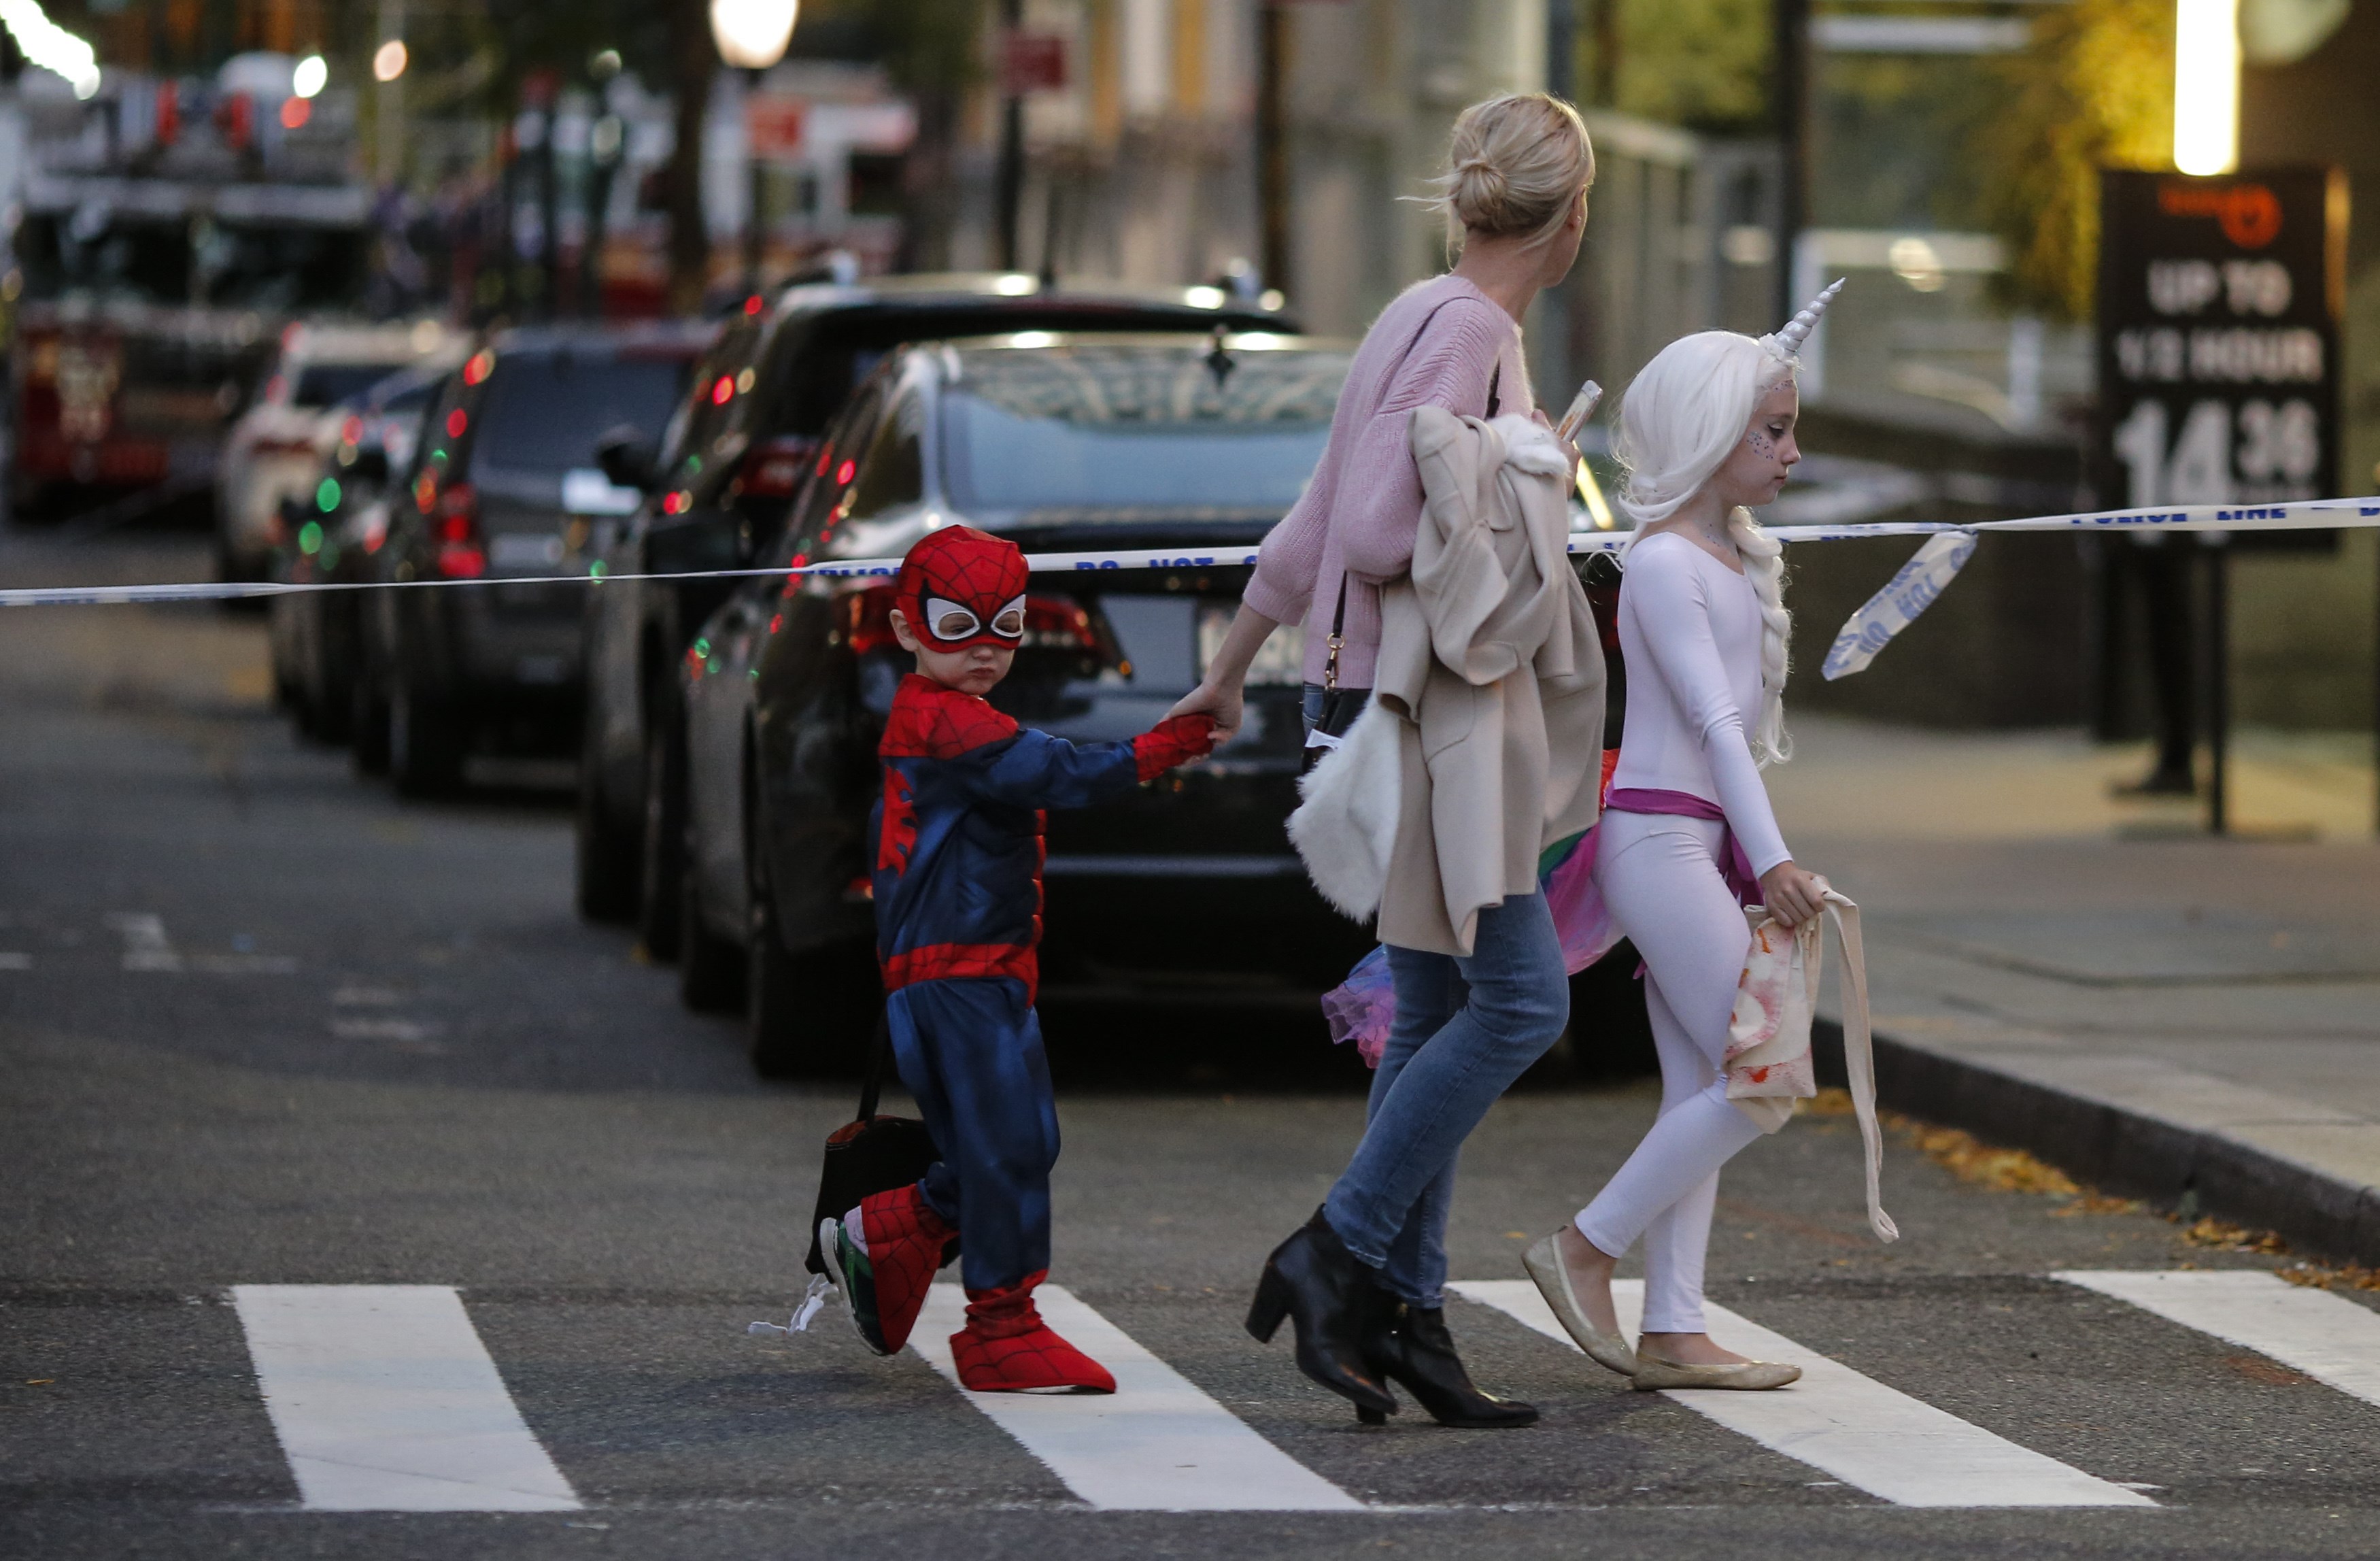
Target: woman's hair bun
1515, 164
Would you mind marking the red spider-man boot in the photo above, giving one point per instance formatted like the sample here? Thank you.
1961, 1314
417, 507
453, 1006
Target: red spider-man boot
1006, 1347
884, 1282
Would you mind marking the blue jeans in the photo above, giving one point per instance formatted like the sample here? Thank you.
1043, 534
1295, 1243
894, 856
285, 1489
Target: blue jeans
1466, 1029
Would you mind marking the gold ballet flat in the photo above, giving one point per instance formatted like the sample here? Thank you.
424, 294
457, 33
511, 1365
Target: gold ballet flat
1544, 1262
1654, 1373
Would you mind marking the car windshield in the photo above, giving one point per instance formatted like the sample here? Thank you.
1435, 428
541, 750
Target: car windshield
546, 409
95, 251
1132, 428
325, 384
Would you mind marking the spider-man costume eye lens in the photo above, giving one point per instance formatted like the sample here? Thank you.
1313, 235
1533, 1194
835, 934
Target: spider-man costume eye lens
948, 620
1010, 624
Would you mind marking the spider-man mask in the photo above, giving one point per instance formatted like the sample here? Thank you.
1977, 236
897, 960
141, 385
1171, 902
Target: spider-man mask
961, 587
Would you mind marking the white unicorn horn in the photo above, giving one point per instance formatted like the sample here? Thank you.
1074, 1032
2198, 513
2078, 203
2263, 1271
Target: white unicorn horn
1787, 341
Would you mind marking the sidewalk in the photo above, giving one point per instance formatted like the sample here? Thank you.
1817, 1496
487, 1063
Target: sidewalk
2189, 1020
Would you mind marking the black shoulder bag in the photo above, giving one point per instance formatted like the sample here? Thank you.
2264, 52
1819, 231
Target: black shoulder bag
870, 1153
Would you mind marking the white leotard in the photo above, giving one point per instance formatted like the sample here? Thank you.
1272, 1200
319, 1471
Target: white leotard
1690, 631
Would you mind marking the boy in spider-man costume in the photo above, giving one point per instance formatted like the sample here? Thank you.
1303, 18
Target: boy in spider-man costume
957, 877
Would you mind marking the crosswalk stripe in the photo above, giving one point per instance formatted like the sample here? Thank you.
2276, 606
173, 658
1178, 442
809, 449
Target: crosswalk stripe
2330, 1339
1854, 1426
1156, 1444
386, 1400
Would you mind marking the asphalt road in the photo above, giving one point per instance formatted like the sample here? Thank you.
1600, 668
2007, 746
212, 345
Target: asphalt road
263, 1025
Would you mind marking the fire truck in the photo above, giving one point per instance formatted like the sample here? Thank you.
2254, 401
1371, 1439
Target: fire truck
166, 231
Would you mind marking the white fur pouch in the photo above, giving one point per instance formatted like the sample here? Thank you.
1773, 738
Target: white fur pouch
1345, 827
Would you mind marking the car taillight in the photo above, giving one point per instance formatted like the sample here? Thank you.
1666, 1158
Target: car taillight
1060, 623
773, 467
868, 619
455, 532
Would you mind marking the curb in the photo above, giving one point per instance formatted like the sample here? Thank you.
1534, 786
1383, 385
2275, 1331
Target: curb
2124, 1148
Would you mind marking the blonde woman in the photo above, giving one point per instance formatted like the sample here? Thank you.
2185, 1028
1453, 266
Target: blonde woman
1364, 1279
1688, 838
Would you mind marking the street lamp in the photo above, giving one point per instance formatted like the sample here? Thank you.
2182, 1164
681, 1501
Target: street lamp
752, 35
2206, 86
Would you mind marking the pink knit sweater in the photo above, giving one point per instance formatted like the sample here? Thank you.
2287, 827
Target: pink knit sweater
1437, 344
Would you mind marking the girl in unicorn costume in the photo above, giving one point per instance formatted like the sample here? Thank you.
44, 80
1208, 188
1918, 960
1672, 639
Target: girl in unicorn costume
1687, 838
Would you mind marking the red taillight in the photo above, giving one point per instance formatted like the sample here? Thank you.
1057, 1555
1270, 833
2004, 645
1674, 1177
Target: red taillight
773, 469
455, 527
868, 619
1059, 623
351, 431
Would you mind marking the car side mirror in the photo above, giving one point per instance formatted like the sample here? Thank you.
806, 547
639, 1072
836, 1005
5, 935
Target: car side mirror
624, 458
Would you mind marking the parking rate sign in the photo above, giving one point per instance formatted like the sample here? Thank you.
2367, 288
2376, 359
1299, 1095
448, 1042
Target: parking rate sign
2218, 309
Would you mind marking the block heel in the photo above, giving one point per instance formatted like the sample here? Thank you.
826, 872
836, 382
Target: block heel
1270, 1306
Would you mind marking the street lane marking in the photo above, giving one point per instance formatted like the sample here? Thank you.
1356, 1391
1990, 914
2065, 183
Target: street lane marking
1158, 1445
1851, 1426
146, 947
386, 1400
2330, 1339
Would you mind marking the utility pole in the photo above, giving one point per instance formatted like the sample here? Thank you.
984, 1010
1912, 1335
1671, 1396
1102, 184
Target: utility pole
1272, 143
1561, 49
1791, 91
1010, 183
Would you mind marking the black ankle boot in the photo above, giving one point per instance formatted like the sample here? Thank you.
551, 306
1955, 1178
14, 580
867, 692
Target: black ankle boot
1336, 1302
1418, 1353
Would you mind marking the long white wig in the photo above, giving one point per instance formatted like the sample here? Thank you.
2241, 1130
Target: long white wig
1684, 415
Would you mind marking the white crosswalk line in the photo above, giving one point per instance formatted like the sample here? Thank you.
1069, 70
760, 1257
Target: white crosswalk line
1854, 1427
1158, 1445
386, 1400
2330, 1339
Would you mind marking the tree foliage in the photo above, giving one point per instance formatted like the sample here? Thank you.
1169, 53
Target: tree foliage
2094, 89
1698, 63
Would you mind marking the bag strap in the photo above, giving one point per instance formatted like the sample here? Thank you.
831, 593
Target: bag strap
1859, 1056
879, 1060
1338, 635
1494, 380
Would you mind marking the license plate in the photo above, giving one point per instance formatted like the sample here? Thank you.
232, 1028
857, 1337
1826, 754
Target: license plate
1279, 659
516, 549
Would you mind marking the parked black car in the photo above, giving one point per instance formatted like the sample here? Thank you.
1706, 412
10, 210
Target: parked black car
1064, 442
720, 488
329, 534
505, 483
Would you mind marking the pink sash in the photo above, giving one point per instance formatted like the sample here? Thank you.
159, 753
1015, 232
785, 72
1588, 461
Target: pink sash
1736, 867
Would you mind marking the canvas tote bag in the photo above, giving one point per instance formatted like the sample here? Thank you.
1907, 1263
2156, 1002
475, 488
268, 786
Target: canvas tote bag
1768, 1063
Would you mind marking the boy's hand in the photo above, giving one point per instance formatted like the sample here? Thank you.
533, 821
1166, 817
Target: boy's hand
1177, 740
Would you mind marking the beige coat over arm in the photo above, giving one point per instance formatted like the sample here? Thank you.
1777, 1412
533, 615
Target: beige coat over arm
1489, 653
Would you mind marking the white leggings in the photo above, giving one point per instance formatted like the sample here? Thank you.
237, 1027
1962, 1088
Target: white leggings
1658, 873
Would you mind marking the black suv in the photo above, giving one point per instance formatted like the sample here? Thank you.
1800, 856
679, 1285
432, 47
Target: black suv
504, 483
742, 446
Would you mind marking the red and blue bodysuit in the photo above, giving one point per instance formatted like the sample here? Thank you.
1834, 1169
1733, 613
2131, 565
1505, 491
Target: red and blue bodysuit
956, 873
